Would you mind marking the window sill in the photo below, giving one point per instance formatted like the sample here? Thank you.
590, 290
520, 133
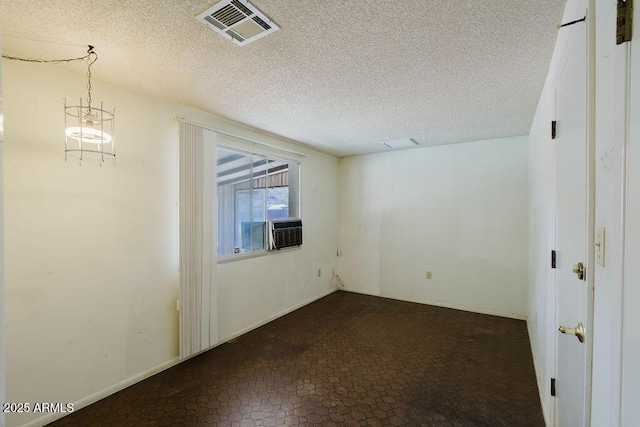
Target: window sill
254, 254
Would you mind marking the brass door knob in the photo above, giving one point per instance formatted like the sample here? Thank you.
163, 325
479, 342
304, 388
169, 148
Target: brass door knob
578, 331
579, 270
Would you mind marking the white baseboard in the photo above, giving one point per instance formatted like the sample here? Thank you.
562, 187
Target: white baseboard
440, 304
93, 398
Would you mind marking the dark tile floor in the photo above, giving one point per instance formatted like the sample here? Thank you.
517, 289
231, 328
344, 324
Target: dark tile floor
346, 360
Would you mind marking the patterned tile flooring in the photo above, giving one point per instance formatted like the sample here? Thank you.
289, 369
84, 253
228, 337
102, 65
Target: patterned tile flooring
344, 360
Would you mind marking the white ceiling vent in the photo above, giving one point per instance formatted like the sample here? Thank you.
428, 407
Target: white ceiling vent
238, 20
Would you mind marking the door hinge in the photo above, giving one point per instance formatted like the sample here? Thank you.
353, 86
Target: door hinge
553, 129
553, 387
553, 259
624, 22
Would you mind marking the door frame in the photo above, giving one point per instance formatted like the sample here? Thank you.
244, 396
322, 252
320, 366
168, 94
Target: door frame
591, 199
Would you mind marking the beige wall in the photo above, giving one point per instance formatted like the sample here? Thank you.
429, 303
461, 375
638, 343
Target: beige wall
2, 304
92, 252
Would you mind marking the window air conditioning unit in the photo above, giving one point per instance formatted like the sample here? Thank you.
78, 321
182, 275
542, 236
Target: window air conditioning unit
284, 233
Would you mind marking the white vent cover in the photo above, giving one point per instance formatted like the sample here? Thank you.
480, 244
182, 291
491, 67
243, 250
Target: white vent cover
238, 20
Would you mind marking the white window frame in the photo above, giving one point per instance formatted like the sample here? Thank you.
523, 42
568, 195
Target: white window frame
292, 177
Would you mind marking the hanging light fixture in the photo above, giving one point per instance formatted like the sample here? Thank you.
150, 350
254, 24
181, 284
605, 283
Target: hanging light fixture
89, 131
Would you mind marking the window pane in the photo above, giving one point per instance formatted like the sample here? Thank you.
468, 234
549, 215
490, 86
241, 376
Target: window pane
294, 190
234, 172
278, 202
250, 219
278, 189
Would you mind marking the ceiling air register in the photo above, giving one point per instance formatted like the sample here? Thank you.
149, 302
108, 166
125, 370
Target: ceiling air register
238, 20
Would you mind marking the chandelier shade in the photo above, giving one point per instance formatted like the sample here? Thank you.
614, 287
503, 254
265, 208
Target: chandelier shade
89, 131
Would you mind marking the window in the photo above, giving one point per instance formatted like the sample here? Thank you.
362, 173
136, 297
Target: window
251, 190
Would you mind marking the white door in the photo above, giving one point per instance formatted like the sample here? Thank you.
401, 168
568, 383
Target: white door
572, 301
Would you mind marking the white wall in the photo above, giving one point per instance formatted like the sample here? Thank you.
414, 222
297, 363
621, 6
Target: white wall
254, 290
631, 350
459, 211
91, 253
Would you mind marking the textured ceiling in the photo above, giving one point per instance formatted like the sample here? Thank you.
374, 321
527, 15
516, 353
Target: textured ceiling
340, 76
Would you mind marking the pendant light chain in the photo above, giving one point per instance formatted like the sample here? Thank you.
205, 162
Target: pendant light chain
91, 58
46, 61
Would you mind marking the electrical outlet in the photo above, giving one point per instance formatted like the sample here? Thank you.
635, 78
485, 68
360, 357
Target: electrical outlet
429, 275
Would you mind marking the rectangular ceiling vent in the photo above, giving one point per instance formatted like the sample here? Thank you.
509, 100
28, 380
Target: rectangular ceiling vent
238, 20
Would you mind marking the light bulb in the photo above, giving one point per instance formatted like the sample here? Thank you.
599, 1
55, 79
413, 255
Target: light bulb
88, 134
